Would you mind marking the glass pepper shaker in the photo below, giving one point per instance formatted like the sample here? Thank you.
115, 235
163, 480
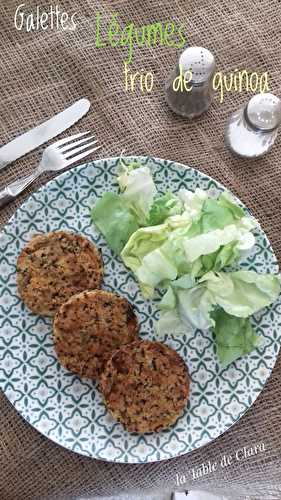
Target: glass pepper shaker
251, 131
189, 88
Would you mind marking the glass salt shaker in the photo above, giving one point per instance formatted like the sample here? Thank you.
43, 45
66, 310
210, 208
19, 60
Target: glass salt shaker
251, 131
189, 89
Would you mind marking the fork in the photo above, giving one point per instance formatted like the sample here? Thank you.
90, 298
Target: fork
57, 156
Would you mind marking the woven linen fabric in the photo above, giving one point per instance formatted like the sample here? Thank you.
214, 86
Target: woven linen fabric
44, 71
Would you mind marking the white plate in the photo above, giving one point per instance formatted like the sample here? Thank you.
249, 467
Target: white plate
69, 410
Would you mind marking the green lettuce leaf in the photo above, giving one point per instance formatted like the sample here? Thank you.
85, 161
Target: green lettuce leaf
156, 270
210, 213
153, 256
163, 207
212, 241
208, 235
141, 243
239, 294
124, 172
234, 337
191, 306
242, 293
226, 200
171, 322
138, 189
214, 216
193, 201
113, 217
152, 249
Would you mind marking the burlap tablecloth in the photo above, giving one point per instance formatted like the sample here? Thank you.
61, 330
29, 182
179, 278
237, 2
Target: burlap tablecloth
41, 73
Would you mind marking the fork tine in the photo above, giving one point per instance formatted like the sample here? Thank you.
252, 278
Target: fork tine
81, 156
61, 142
72, 145
75, 151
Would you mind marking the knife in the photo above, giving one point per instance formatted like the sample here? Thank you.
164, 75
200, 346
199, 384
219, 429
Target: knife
42, 133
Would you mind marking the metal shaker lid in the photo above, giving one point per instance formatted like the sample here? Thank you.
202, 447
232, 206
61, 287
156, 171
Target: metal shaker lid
198, 60
263, 112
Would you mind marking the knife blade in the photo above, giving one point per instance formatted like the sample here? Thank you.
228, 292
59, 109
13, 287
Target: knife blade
42, 133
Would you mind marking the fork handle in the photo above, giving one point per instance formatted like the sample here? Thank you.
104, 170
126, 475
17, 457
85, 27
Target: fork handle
11, 191
5, 197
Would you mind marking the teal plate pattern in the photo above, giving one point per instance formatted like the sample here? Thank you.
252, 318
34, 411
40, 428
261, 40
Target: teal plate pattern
69, 410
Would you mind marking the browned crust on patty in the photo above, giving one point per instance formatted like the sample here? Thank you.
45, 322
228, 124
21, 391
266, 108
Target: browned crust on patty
89, 326
145, 386
54, 266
